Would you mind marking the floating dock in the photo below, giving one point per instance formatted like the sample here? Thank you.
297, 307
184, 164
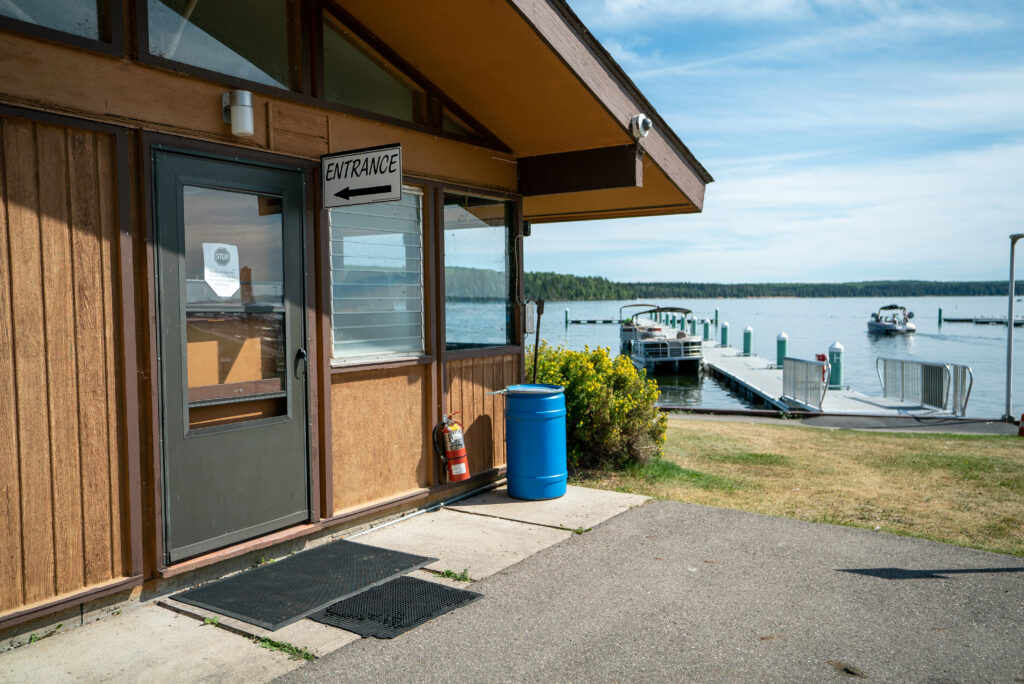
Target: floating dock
760, 379
983, 320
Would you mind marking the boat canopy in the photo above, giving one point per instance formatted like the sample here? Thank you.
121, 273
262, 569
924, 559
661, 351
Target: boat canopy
622, 309
893, 307
663, 309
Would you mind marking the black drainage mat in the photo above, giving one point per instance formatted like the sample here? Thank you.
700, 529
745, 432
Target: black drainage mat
279, 593
390, 609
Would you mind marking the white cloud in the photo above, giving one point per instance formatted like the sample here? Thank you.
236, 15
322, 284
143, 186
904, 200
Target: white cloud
618, 15
624, 55
646, 11
861, 37
943, 216
848, 113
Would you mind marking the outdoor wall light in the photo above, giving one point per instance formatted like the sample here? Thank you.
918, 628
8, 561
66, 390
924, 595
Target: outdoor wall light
237, 106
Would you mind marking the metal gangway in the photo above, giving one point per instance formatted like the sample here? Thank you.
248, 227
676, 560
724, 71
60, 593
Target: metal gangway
945, 386
805, 381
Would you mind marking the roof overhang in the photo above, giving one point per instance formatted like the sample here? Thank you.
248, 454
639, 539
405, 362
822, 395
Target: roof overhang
531, 73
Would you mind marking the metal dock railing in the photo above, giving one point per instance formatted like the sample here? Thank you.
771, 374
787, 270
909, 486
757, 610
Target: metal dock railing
804, 381
758, 378
945, 386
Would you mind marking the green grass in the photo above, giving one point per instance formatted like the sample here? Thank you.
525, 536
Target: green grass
660, 471
959, 458
959, 489
294, 652
458, 576
751, 458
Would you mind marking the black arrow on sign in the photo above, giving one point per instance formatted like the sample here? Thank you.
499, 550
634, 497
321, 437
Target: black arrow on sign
348, 193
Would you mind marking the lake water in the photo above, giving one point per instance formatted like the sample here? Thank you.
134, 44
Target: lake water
812, 326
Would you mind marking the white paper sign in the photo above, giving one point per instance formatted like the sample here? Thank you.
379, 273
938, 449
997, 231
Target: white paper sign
220, 268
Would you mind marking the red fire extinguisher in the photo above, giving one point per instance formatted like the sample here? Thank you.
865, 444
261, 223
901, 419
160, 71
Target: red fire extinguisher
453, 452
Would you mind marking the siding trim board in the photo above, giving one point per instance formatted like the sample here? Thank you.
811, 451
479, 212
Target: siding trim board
19, 616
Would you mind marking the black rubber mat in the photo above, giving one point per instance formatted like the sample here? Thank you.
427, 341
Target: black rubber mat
387, 610
279, 593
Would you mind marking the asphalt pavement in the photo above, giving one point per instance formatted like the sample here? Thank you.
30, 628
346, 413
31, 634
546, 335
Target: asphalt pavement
677, 592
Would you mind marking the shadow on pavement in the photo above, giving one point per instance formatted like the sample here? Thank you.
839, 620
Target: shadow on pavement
904, 574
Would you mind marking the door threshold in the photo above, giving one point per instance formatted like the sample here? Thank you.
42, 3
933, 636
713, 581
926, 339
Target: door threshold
237, 550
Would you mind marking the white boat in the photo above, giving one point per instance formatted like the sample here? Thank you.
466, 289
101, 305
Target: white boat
627, 325
892, 320
656, 345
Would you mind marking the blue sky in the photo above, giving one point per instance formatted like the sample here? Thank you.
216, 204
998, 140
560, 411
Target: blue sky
849, 140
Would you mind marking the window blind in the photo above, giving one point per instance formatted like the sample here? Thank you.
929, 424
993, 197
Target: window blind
377, 278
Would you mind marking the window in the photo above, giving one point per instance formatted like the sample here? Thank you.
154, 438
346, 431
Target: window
451, 124
234, 293
354, 76
84, 19
477, 272
248, 39
377, 279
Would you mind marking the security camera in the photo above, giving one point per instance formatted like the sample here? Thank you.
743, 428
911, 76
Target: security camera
640, 125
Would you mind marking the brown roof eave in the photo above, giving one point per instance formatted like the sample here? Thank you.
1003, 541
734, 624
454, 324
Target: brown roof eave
627, 84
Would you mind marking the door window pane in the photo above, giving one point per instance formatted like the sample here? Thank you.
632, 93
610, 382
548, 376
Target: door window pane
477, 272
356, 77
86, 19
377, 278
243, 38
234, 296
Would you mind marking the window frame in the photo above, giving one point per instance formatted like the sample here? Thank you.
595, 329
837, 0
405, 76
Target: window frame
298, 14
386, 62
436, 103
514, 214
363, 362
114, 21
130, 39
306, 25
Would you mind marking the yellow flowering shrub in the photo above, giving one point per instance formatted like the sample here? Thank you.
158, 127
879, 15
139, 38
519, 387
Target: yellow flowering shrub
611, 420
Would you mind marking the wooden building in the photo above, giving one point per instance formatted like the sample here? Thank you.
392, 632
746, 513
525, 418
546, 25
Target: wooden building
196, 358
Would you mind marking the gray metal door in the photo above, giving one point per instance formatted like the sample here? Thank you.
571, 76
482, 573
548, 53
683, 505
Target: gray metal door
231, 350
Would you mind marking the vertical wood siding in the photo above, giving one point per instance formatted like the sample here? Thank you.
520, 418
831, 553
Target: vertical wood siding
63, 517
468, 382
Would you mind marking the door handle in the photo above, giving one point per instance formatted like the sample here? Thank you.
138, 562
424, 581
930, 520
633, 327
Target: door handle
301, 361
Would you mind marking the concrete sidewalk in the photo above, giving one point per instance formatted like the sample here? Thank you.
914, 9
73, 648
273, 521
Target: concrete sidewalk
169, 640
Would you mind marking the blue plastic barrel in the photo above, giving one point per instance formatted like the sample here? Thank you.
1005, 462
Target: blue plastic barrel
535, 441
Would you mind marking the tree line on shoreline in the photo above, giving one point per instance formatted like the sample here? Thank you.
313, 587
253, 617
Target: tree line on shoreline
564, 287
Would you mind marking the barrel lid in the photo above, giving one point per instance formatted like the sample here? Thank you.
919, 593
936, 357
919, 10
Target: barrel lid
535, 389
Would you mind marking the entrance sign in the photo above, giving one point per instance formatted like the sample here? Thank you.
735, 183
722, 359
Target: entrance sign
220, 268
372, 174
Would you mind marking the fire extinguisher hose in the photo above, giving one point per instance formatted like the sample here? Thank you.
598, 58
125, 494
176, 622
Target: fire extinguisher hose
437, 445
